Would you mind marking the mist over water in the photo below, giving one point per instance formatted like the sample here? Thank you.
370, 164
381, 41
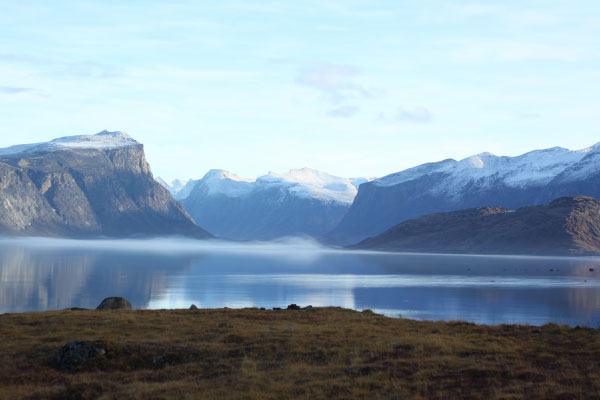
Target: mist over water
49, 274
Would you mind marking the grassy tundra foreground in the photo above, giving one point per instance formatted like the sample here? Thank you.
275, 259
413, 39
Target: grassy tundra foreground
324, 353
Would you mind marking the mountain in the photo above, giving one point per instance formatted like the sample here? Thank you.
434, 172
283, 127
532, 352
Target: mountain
86, 186
533, 178
300, 202
566, 226
175, 186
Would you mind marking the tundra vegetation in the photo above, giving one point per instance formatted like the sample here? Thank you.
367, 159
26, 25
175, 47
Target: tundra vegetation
296, 353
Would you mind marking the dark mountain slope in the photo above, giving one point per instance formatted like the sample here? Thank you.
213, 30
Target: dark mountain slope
566, 226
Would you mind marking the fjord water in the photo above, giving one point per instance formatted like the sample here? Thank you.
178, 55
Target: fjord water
47, 274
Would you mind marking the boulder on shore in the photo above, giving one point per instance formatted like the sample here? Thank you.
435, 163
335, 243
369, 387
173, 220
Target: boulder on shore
114, 303
77, 354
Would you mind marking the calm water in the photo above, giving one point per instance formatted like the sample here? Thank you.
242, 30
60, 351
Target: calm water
43, 274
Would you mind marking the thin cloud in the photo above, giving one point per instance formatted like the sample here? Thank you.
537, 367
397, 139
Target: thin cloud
337, 82
346, 111
416, 114
62, 68
14, 90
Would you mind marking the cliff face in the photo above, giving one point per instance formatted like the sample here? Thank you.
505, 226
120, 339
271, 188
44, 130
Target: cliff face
566, 226
79, 191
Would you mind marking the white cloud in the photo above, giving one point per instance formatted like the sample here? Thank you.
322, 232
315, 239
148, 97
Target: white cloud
416, 114
13, 90
345, 111
337, 82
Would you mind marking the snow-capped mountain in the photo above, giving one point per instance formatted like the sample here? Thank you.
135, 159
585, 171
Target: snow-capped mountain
102, 140
533, 178
86, 186
300, 202
174, 187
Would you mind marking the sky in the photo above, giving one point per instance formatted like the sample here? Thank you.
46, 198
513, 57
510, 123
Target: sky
352, 87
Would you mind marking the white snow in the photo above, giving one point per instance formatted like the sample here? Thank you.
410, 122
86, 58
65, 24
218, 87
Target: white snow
102, 140
304, 182
535, 168
218, 181
185, 191
175, 186
310, 183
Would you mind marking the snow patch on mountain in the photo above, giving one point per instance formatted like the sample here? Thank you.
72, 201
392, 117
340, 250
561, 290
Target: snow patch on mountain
535, 168
101, 140
175, 186
303, 182
310, 183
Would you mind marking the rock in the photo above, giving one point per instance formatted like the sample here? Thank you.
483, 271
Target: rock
262, 309
76, 354
193, 307
288, 329
435, 331
293, 307
591, 269
159, 361
276, 308
536, 330
114, 303
75, 309
223, 325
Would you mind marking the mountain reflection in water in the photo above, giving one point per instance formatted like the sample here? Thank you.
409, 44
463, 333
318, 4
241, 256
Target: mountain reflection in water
45, 274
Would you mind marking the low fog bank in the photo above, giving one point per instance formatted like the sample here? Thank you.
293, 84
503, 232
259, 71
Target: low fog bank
289, 246
175, 245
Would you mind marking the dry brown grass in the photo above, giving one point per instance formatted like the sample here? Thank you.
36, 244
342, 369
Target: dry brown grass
327, 353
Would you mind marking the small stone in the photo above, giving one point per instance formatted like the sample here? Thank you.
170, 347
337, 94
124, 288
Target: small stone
76, 309
288, 329
436, 330
114, 303
193, 307
159, 361
223, 325
536, 330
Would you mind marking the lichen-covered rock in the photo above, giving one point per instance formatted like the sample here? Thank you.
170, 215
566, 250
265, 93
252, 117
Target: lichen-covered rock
114, 303
77, 354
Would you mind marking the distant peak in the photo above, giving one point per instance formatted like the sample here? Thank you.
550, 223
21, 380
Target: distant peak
101, 140
223, 174
113, 134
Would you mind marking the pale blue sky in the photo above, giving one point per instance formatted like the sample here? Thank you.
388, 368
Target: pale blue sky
355, 88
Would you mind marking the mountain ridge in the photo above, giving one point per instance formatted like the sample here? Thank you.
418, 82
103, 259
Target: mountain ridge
565, 226
533, 178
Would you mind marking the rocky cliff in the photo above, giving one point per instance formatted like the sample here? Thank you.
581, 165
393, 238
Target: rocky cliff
86, 186
566, 226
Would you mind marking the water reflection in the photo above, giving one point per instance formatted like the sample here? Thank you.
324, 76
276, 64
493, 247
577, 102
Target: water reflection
46, 274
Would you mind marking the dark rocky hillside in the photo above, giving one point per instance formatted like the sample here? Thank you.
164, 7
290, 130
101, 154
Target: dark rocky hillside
566, 226
76, 191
